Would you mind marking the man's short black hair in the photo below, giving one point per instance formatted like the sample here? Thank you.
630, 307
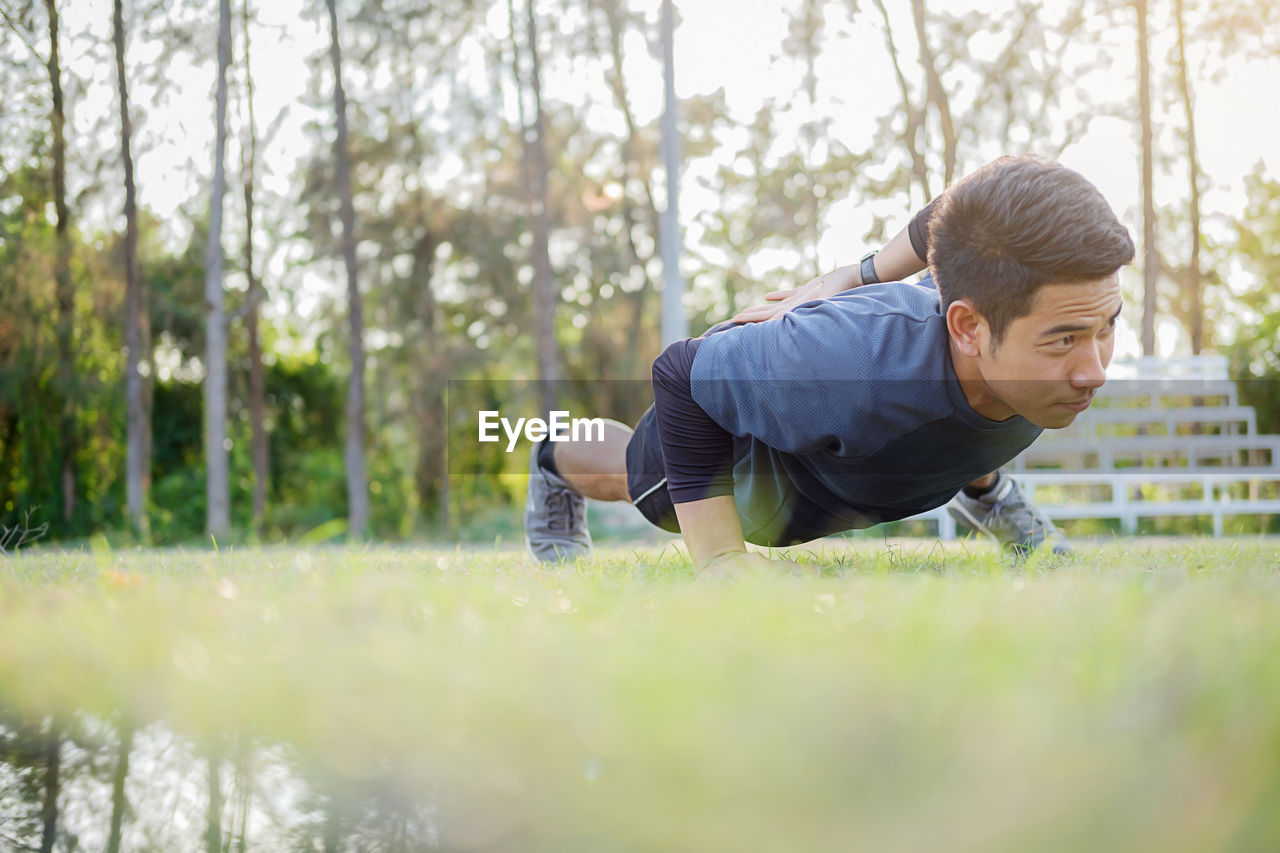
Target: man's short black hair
1015, 225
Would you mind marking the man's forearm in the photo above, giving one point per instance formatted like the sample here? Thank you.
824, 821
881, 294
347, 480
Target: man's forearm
894, 262
897, 259
839, 280
710, 528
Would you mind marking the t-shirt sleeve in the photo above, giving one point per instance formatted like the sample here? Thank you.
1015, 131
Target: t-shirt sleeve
793, 382
918, 230
697, 452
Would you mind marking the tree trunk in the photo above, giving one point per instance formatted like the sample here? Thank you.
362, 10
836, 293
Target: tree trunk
118, 801
62, 276
914, 116
618, 84
137, 463
213, 810
1194, 284
427, 343
332, 825
936, 94
640, 355
812, 130
52, 787
1150, 259
218, 512
244, 788
357, 484
675, 325
430, 472
257, 382
545, 297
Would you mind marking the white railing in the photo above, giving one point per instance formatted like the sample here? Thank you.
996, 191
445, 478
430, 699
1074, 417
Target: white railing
1176, 475
1151, 367
1129, 496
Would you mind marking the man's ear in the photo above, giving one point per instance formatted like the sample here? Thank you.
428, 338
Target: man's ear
968, 328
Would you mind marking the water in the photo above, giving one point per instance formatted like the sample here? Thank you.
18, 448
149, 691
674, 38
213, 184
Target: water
232, 792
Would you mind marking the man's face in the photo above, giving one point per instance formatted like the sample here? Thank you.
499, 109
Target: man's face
1052, 360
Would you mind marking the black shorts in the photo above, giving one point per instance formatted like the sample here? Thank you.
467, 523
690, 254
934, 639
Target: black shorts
796, 518
647, 476
646, 472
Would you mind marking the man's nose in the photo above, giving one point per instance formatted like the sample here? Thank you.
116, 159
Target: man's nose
1089, 370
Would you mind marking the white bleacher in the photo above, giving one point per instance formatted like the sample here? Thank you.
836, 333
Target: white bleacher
1165, 438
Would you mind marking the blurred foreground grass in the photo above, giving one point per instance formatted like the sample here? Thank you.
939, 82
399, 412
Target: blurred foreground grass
910, 698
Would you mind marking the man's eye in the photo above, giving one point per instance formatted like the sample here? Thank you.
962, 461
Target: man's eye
1065, 341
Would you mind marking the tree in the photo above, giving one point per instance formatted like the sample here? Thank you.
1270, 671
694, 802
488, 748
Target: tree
1150, 254
1244, 27
1255, 352
914, 115
545, 296
213, 803
52, 787
674, 323
357, 484
1012, 96
120, 773
30, 395
218, 510
805, 38
1194, 284
137, 324
62, 274
257, 384
34, 774
935, 94
640, 225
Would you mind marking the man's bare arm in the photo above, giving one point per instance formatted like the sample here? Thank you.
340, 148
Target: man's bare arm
713, 534
710, 528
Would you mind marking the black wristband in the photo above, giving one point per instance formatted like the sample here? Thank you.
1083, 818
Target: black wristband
867, 270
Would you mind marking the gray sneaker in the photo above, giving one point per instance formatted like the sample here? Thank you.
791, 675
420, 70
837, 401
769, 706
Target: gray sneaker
555, 516
1006, 515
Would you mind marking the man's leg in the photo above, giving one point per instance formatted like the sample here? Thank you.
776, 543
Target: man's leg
982, 484
562, 475
595, 469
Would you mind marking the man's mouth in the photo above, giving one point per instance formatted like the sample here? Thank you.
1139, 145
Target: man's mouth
1079, 405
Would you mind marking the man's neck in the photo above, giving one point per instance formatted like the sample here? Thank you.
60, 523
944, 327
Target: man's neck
975, 388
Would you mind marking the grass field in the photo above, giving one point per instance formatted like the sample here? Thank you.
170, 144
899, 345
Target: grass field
910, 697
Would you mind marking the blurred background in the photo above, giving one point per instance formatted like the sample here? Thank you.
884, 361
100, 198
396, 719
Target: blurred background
281, 230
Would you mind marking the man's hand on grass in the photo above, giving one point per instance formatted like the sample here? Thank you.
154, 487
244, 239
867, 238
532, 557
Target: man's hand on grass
740, 565
713, 533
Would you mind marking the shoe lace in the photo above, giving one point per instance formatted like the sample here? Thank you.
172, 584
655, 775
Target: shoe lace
560, 510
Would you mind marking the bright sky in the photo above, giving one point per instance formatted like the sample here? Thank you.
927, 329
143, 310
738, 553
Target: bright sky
729, 44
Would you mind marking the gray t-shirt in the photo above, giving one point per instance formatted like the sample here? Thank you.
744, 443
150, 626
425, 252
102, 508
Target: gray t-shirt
847, 412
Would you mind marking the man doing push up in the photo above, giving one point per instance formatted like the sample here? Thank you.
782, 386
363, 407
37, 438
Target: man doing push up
861, 402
